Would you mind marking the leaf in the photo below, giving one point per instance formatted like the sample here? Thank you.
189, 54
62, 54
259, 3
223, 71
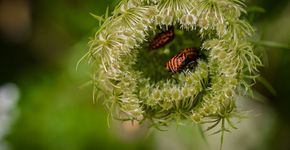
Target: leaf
99, 18
214, 125
107, 13
230, 123
216, 132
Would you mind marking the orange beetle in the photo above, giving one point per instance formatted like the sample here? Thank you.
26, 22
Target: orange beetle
162, 38
182, 59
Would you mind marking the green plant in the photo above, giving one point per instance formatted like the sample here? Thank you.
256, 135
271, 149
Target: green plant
132, 81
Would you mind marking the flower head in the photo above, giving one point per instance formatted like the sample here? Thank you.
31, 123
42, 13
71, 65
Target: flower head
133, 79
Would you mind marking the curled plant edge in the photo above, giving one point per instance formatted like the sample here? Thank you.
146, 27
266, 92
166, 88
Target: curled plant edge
205, 94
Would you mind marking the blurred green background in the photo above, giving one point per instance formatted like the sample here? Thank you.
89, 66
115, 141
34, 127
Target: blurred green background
40, 44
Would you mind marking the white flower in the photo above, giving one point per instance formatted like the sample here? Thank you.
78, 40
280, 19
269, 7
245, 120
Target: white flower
132, 73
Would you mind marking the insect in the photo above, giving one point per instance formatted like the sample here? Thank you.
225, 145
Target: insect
182, 59
162, 38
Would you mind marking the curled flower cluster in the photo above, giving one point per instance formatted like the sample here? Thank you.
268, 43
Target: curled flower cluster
129, 78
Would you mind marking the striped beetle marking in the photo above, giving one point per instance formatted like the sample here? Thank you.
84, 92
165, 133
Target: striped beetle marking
182, 59
162, 38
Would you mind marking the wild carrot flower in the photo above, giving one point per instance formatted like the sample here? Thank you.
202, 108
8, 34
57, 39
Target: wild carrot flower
132, 80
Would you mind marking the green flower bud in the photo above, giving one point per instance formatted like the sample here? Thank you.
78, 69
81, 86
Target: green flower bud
196, 118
